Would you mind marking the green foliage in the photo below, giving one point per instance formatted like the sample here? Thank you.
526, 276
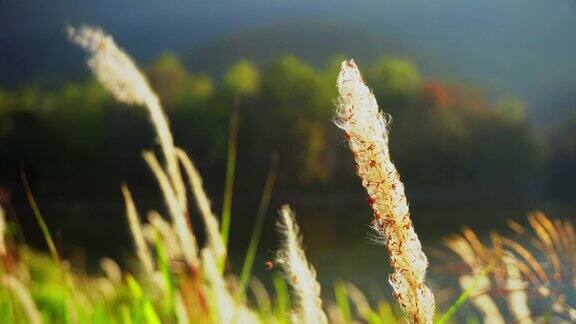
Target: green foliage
243, 79
283, 304
446, 316
395, 79
142, 311
386, 312
176, 86
342, 301
231, 158
284, 107
511, 109
294, 88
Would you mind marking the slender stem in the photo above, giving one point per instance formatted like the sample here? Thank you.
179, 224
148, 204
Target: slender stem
230, 170
38, 216
67, 281
341, 294
258, 225
466, 294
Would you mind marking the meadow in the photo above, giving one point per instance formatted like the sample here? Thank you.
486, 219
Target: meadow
179, 270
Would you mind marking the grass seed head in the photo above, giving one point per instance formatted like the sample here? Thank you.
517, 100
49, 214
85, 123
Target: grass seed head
366, 130
299, 273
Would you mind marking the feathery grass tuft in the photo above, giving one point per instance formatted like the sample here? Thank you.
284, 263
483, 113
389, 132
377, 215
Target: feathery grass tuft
215, 240
366, 130
136, 229
180, 224
118, 73
299, 273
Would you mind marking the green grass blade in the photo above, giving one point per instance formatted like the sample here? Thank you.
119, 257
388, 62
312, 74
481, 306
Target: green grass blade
150, 314
164, 267
230, 175
462, 298
39, 218
342, 301
386, 312
282, 308
258, 225
125, 314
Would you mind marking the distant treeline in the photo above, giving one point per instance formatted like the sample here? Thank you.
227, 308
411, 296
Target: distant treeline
442, 133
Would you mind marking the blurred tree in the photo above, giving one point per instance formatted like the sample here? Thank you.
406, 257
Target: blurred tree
29, 98
437, 95
312, 156
175, 85
512, 109
243, 79
297, 96
295, 89
3, 98
396, 81
469, 99
441, 134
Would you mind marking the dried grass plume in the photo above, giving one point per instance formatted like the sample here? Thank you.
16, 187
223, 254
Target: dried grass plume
215, 241
118, 73
142, 251
299, 273
366, 130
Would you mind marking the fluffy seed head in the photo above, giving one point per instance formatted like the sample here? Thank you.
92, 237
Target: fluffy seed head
112, 67
365, 127
136, 229
299, 273
215, 241
120, 75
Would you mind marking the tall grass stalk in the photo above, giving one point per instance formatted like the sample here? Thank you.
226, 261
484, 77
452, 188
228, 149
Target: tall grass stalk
258, 225
22, 295
366, 130
517, 298
261, 296
230, 174
181, 312
299, 273
142, 251
283, 303
112, 270
363, 307
118, 73
341, 294
215, 241
185, 236
478, 284
224, 308
39, 218
464, 296
167, 233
